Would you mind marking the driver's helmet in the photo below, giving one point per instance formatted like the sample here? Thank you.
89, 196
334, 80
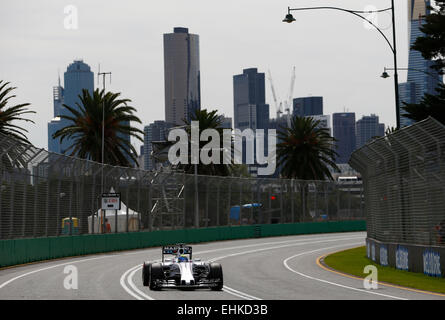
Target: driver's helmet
183, 259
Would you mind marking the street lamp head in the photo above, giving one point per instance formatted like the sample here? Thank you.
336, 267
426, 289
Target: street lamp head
385, 75
289, 18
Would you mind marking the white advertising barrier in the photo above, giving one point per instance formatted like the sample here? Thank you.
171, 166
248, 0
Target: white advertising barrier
384, 255
431, 263
402, 258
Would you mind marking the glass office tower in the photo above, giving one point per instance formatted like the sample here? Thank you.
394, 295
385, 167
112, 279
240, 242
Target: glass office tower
367, 128
182, 75
78, 76
344, 132
250, 108
421, 78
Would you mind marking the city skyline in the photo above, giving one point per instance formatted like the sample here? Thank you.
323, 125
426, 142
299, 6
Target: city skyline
139, 75
249, 91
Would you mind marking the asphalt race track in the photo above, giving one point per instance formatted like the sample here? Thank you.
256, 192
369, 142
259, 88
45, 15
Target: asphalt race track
281, 268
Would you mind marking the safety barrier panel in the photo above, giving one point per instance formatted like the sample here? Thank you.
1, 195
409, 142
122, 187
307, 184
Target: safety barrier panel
429, 260
20, 251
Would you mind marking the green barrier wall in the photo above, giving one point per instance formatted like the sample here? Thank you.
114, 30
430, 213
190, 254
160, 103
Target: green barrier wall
20, 251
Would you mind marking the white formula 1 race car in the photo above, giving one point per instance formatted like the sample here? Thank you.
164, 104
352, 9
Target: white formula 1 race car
181, 271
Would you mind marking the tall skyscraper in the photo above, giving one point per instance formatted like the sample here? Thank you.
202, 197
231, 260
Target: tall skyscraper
77, 77
156, 131
250, 108
54, 124
368, 127
344, 132
308, 106
418, 82
249, 95
182, 78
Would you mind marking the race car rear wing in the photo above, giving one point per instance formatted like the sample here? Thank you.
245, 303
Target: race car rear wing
178, 249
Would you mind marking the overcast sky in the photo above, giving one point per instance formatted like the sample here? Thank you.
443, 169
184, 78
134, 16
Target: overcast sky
335, 55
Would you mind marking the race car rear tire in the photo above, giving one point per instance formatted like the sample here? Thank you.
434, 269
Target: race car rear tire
216, 273
155, 273
145, 274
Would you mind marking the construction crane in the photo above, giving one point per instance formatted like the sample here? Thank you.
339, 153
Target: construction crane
278, 105
288, 102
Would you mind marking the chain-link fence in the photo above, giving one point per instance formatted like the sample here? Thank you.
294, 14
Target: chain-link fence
45, 194
404, 182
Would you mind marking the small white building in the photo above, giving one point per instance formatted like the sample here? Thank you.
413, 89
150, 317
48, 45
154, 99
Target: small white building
133, 219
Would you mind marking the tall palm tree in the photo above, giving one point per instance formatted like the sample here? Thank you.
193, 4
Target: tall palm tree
85, 128
9, 114
306, 151
13, 150
207, 120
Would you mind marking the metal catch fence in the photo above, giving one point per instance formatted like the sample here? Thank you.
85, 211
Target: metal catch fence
404, 184
45, 194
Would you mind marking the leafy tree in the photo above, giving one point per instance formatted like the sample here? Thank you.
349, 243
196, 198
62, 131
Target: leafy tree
430, 105
13, 150
432, 44
306, 151
432, 47
10, 114
85, 128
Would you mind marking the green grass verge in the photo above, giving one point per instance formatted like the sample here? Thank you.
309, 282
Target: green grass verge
354, 261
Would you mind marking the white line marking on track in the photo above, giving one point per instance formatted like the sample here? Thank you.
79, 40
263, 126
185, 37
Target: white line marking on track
279, 247
240, 294
228, 289
285, 262
130, 281
123, 285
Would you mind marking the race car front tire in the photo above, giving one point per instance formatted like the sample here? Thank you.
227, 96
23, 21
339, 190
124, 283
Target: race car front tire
214, 274
145, 274
155, 273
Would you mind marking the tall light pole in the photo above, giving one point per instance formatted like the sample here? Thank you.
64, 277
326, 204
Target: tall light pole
396, 73
290, 18
103, 74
